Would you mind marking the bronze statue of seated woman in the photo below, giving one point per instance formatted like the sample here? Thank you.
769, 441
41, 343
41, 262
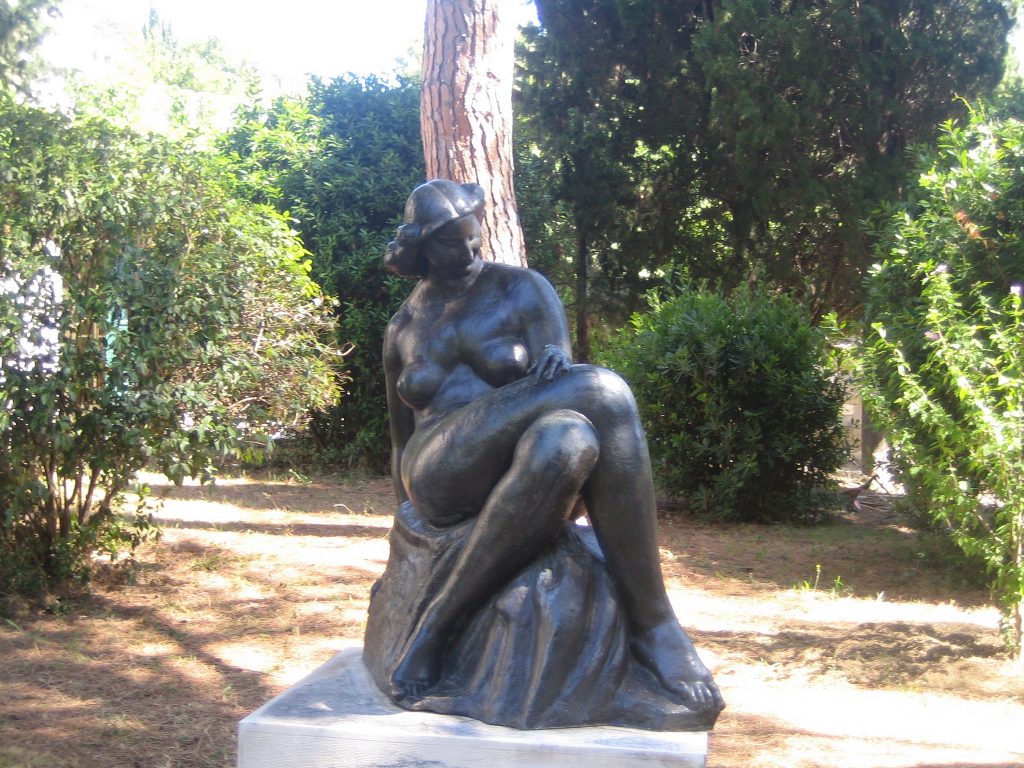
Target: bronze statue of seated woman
497, 602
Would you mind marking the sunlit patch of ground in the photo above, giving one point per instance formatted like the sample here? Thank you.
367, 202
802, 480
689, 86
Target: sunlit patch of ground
834, 646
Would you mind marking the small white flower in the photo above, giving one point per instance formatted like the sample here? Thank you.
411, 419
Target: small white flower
1015, 289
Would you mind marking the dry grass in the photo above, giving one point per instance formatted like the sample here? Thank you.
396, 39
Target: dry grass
257, 582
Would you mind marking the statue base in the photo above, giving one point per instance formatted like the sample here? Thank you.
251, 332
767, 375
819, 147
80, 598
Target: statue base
337, 718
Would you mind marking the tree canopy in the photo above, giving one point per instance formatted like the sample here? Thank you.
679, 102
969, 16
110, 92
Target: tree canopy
746, 140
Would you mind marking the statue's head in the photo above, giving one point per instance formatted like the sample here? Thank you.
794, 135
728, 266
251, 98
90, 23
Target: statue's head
430, 207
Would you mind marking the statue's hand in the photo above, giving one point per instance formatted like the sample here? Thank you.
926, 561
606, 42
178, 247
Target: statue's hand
552, 361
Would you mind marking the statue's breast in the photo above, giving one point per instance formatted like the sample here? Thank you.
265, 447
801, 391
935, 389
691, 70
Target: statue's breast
501, 361
419, 383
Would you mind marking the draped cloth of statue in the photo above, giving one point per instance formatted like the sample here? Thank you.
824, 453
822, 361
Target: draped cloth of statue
550, 650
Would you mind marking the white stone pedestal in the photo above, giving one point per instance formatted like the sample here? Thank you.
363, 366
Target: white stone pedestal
336, 718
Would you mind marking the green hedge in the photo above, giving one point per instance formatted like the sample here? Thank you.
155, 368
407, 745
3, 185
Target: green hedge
740, 402
943, 358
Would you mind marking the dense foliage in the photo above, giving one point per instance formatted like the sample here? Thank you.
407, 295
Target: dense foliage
740, 401
148, 317
21, 28
742, 139
341, 162
157, 307
944, 350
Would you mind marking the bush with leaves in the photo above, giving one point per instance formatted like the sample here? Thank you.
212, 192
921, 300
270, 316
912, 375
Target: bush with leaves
342, 162
740, 401
943, 361
147, 317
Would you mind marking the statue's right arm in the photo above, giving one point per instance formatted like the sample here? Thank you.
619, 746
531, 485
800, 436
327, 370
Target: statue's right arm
400, 416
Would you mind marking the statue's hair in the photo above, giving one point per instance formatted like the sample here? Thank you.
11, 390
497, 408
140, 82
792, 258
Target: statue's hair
430, 207
404, 257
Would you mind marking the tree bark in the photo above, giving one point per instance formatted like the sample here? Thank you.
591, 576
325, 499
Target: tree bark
466, 112
582, 296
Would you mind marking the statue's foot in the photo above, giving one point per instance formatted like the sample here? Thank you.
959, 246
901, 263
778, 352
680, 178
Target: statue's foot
419, 668
667, 652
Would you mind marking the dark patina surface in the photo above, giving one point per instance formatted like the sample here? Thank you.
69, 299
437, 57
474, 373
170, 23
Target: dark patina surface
496, 603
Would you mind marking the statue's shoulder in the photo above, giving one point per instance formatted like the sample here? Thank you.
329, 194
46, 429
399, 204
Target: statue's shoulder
514, 276
400, 319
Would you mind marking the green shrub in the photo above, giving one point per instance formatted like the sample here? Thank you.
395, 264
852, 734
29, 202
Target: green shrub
740, 402
943, 361
342, 161
146, 317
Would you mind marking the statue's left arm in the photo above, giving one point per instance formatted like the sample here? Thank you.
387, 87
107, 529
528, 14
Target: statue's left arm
545, 329
400, 417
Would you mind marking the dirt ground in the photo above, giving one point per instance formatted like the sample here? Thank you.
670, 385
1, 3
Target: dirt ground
834, 646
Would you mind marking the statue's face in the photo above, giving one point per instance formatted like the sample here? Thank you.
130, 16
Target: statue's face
454, 246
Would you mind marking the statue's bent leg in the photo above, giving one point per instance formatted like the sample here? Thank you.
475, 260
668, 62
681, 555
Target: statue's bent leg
620, 503
459, 462
453, 466
522, 516
462, 459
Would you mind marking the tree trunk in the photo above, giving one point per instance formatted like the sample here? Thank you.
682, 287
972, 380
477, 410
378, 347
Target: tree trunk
466, 112
582, 296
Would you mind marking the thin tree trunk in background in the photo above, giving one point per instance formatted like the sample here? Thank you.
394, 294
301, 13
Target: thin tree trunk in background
466, 112
582, 297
